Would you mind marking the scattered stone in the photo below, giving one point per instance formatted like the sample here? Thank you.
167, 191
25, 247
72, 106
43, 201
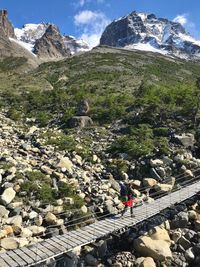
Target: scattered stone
50, 218
7, 196
9, 243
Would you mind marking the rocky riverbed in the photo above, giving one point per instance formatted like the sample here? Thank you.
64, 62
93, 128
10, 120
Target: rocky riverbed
43, 187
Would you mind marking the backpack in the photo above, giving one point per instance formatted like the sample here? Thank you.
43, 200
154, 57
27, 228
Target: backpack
123, 190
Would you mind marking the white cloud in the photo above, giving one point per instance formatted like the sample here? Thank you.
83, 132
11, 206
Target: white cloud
81, 2
85, 17
91, 24
182, 19
190, 26
84, 2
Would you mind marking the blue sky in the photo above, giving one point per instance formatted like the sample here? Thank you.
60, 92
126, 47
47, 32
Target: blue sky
88, 18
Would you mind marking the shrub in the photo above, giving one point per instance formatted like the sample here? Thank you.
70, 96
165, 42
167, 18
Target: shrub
161, 131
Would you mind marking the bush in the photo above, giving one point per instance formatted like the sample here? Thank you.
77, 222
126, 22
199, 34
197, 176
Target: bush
161, 131
117, 166
140, 142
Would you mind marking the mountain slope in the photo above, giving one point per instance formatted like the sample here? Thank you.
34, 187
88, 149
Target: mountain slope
147, 32
110, 78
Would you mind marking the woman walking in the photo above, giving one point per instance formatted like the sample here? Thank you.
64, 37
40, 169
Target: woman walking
127, 197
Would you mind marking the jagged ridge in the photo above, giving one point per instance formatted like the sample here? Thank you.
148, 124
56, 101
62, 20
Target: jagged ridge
147, 32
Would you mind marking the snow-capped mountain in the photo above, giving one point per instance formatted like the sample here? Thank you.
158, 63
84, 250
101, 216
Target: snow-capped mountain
147, 32
75, 45
35, 36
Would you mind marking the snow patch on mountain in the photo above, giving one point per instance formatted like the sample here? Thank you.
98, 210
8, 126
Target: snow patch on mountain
25, 45
31, 32
145, 47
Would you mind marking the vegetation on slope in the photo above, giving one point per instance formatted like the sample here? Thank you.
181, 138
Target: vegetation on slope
135, 87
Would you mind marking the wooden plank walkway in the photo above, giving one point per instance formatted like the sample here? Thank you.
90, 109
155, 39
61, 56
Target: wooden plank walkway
56, 246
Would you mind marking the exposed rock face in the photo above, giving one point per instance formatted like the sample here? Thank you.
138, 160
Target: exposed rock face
51, 44
157, 249
147, 32
6, 27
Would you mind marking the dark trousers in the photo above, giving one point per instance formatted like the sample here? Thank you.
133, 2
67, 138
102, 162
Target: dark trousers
125, 209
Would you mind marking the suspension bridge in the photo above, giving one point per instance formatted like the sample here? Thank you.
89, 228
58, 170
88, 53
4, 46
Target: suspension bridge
51, 248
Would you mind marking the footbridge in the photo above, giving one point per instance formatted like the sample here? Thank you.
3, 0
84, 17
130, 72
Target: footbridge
52, 248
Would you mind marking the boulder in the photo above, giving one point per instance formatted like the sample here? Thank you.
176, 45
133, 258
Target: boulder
80, 121
136, 184
84, 209
149, 182
3, 212
3, 234
23, 242
9, 243
66, 163
145, 262
50, 218
83, 108
15, 220
159, 233
164, 187
186, 139
156, 249
184, 242
25, 232
176, 235
91, 260
156, 162
189, 254
189, 173
33, 214
192, 214
180, 221
197, 225
7, 196
16, 230
36, 230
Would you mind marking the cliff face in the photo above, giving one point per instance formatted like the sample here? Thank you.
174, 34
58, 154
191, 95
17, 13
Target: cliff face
6, 27
51, 44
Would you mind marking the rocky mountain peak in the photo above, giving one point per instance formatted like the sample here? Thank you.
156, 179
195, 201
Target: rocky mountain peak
6, 27
30, 35
147, 32
51, 44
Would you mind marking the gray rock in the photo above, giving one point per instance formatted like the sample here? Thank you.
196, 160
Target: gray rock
9, 243
7, 196
186, 139
3, 212
101, 248
80, 121
155, 175
184, 242
180, 221
189, 254
91, 260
